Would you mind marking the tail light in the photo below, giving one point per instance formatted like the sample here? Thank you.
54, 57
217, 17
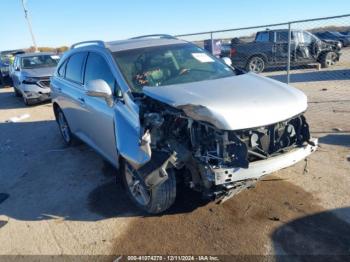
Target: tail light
233, 51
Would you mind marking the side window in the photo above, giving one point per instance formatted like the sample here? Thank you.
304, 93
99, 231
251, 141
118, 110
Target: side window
74, 67
62, 70
307, 38
282, 36
262, 37
97, 68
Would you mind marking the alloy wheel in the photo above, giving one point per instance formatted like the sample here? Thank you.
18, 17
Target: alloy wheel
256, 65
64, 128
137, 189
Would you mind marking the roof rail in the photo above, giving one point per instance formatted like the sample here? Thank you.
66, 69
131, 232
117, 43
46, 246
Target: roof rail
154, 36
85, 43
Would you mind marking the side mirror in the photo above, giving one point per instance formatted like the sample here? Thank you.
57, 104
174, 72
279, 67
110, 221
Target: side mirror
17, 68
100, 88
227, 61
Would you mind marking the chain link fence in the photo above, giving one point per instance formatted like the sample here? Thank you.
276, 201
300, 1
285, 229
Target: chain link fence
313, 55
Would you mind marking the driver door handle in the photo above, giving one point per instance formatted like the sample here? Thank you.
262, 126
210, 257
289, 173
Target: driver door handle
81, 100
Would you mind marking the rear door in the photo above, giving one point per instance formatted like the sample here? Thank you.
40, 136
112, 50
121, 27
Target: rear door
100, 117
281, 47
70, 92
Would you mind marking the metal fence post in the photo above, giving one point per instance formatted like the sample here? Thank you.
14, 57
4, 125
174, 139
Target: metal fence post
212, 42
289, 50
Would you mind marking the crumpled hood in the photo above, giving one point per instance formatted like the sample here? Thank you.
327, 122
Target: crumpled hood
233, 103
39, 72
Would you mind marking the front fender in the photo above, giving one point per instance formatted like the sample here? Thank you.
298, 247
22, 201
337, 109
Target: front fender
128, 135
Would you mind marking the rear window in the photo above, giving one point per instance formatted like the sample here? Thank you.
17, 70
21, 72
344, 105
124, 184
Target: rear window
74, 67
282, 36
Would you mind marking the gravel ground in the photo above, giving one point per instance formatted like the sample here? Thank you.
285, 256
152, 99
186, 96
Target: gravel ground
67, 201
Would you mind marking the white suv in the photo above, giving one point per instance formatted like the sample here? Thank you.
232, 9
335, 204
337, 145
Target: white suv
166, 112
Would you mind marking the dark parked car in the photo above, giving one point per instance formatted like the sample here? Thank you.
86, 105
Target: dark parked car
270, 49
225, 50
6, 59
342, 38
4, 69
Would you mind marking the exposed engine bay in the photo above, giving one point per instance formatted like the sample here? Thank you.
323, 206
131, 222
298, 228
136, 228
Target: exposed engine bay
206, 155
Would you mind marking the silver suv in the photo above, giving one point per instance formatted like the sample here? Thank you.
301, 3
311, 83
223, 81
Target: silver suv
31, 76
165, 112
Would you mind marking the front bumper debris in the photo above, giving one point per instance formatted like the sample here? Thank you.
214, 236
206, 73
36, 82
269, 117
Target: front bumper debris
261, 168
35, 93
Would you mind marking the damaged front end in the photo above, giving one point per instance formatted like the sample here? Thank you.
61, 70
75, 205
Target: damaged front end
218, 163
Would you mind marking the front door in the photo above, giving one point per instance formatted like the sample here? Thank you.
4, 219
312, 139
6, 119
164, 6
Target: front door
306, 48
100, 117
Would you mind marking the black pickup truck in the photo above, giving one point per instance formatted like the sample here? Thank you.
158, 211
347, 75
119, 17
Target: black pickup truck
270, 49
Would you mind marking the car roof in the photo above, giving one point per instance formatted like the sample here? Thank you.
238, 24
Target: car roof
130, 44
35, 54
280, 30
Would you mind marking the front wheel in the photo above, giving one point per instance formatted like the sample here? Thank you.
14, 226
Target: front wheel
26, 101
328, 59
255, 64
152, 200
17, 93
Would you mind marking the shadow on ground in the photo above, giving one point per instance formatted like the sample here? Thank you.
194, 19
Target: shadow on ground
323, 233
323, 75
110, 200
44, 179
336, 139
51, 181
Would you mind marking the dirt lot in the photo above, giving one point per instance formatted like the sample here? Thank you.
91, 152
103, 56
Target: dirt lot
63, 200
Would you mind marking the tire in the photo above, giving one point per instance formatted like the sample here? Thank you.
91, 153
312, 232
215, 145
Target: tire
255, 64
17, 93
160, 197
64, 128
26, 101
328, 59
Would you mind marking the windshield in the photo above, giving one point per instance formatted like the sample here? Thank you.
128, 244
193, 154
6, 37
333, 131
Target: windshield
169, 65
38, 61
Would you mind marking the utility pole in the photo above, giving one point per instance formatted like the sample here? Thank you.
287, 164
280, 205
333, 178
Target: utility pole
29, 25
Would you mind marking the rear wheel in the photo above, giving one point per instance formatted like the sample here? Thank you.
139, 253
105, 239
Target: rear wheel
152, 200
328, 59
64, 128
255, 64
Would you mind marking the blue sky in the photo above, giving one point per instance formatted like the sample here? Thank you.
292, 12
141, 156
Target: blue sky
63, 22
